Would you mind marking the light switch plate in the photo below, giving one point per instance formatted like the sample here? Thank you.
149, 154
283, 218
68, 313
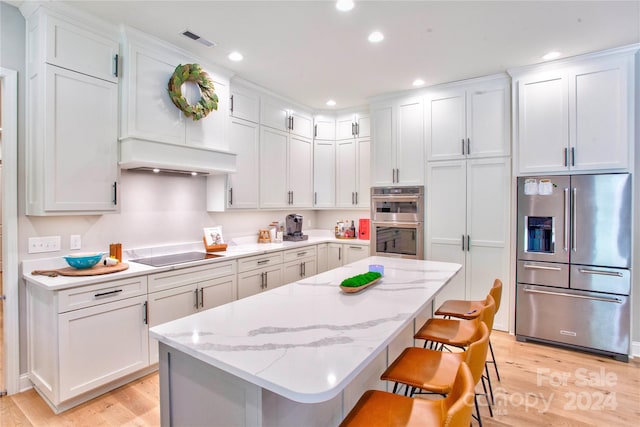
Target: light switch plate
44, 244
75, 241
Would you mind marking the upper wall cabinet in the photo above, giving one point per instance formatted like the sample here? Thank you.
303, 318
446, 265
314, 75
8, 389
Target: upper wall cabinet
398, 142
324, 128
147, 111
576, 115
353, 125
469, 120
280, 115
72, 115
244, 104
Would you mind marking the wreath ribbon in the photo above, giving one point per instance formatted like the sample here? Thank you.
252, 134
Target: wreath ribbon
208, 99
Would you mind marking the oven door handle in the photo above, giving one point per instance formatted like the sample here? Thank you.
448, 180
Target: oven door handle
396, 198
397, 224
564, 294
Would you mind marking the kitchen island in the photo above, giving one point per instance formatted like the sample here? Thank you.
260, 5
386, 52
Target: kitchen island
300, 354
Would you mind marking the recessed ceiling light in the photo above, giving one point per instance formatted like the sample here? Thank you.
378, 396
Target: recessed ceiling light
331, 103
236, 56
344, 5
418, 82
376, 37
551, 55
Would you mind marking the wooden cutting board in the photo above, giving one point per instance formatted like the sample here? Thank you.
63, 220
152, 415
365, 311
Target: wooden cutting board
93, 271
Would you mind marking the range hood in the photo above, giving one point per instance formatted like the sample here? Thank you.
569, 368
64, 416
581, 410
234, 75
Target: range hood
143, 154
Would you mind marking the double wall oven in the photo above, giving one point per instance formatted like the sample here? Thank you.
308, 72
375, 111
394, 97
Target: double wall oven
397, 222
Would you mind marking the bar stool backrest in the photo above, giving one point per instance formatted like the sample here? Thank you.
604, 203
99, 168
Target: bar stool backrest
459, 401
496, 292
489, 312
476, 353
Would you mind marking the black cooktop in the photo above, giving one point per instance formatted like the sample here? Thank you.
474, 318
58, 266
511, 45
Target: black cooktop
164, 260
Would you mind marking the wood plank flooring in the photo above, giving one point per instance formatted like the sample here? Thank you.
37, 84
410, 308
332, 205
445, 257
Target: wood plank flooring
541, 386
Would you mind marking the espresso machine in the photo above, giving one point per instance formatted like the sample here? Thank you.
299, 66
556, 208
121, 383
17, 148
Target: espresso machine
293, 231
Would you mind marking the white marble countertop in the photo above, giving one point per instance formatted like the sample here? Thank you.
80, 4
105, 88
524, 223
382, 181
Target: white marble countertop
239, 248
307, 340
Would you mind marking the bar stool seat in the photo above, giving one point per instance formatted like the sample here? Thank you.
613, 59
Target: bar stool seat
453, 332
433, 371
463, 309
382, 409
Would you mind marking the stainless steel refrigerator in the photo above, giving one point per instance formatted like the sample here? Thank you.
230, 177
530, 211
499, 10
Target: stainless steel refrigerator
574, 261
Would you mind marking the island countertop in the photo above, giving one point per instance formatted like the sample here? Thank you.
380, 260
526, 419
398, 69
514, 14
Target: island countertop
307, 340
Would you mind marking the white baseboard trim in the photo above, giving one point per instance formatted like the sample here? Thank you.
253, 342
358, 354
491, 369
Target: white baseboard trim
25, 384
635, 348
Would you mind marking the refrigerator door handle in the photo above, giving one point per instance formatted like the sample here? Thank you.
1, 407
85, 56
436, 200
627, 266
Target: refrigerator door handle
574, 210
599, 272
566, 219
563, 294
541, 267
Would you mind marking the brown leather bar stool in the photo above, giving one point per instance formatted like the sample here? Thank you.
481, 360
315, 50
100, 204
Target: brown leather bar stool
463, 309
381, 409
457, 333
434, 371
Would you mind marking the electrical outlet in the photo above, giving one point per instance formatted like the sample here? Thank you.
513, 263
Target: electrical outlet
75, 241
44, 244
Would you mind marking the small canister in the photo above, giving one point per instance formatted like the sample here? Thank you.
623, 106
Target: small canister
115, 251
377, 268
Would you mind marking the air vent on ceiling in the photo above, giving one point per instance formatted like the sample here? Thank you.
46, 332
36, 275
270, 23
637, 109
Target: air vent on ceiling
193, 36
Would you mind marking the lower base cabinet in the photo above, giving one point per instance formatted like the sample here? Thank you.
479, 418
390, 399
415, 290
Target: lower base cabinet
299, 263
178, 293
84, 338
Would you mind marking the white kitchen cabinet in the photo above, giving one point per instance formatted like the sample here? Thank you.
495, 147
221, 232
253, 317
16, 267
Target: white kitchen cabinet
181, 292
242, 186
259, 273
353, 173
72, 117
286, 169
469, 120
322, 258
299, 263
345, 253
324, 173
336, 255
567, 115
324, 128
148, 114
398, 142
244, 104
86, 338
353, 125
281, 115
468, 223
353, 253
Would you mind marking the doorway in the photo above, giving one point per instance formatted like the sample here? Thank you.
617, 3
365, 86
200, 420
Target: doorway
9, 329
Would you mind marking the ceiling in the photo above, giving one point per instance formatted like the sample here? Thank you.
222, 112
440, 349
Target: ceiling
310, 52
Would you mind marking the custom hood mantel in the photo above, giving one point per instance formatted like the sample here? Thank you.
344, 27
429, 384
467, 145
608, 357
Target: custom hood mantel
143, 154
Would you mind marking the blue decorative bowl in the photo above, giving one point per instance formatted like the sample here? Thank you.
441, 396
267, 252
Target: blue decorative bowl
82, 261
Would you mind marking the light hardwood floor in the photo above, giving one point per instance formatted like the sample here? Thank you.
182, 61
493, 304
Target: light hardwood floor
541, 386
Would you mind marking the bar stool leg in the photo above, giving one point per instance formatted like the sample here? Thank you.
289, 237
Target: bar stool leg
493, 360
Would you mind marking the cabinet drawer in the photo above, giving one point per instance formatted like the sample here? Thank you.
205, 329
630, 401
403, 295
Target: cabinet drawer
259, 261
543, 273
87, 296
187, 276
293, 254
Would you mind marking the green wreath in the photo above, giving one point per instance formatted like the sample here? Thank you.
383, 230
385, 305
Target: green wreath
208, 99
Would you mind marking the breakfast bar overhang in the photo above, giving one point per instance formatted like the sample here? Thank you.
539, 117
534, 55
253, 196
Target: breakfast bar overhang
300, 354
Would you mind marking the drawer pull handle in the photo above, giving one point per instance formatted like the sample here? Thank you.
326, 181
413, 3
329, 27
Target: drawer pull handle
302, 253
563, 294
541, 267
602, 273
262, 261
104, 294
